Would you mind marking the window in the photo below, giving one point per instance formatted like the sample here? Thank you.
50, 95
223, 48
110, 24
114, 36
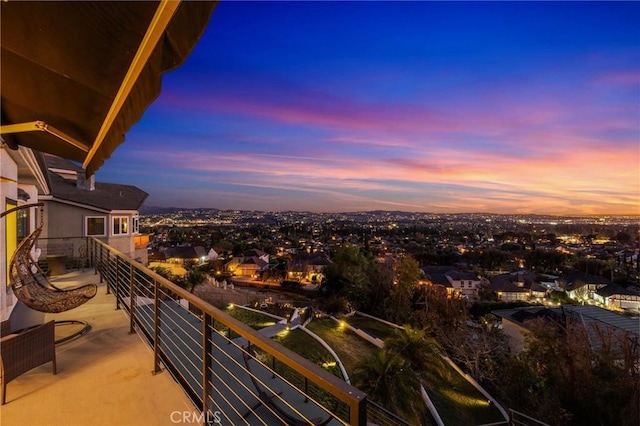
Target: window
120, 225
95, 226
135, 229
11, 238
22, 224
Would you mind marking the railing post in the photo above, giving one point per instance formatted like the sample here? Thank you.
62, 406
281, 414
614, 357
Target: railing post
132, 299
358, 413
94, 258
117, 292
91, 248
105, 270
156, 328
207, 347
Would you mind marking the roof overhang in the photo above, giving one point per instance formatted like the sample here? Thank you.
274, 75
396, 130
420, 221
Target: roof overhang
32, 168
75, 76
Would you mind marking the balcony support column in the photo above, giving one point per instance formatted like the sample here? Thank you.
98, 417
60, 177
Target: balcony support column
156, 328
105, 269
117, 283
207, 348
132, 299
358, 413
91, 246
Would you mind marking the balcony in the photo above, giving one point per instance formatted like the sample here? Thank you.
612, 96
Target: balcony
157, 354
104, 377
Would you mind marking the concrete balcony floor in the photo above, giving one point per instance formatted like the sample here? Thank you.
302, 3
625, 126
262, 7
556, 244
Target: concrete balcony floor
104, 376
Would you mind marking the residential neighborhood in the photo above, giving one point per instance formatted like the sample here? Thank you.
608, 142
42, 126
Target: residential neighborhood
480, 257
504, 297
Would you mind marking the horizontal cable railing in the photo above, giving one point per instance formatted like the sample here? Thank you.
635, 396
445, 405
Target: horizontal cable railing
230, 371
378, 415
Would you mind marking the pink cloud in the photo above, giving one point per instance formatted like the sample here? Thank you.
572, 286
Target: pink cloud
619, 78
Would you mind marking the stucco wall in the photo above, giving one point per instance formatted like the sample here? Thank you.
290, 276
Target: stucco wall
8, 190
64, 230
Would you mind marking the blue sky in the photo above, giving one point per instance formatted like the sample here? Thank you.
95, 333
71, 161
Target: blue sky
504, 107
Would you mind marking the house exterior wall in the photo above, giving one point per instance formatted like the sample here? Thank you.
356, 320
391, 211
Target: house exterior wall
122, 243
624, 301
8, 192
466, 286
232, 265
538, 294
247, 270
64, 231
9, 185
511, 295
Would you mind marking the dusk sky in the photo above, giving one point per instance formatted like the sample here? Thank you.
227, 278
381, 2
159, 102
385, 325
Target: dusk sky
445, 107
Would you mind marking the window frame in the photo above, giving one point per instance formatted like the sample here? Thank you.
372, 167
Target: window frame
135, 225
122, 227
86, 225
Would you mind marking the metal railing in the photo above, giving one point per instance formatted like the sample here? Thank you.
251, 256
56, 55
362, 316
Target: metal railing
230, 371
378, 415
72, 247
71, 252
521, 419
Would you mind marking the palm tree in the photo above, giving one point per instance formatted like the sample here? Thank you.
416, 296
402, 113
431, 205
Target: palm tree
415, 346
389, 380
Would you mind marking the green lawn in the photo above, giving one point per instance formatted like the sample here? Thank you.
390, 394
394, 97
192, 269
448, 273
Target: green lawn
457, 400
348, 345
308, 347
255, 320
371, 326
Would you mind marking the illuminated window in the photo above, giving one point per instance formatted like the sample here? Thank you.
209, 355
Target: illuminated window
95, 226
120, 225
135, 227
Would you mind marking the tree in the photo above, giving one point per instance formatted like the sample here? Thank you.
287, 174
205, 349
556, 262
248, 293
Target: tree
195, 277
415, 346
380, 285
388, 379
347, 276
549, 260
481, 350
623, 237
407, 276
568, 375
493, 259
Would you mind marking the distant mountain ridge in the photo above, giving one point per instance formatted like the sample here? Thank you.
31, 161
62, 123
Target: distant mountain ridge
167, 210
150, 210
